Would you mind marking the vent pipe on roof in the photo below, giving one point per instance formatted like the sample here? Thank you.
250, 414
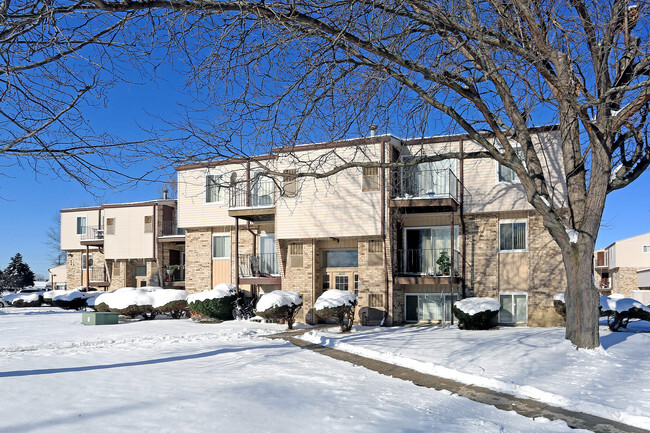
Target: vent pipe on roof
373, 130
164, 191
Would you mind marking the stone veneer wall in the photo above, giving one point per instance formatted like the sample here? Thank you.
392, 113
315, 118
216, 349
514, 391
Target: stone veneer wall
75, 275
198, 259
624, 280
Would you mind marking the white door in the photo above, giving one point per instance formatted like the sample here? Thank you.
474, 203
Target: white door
268, 256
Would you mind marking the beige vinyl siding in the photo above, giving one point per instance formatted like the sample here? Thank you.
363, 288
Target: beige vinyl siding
629, 252
330, 207
70, 240
193, 211
130, 240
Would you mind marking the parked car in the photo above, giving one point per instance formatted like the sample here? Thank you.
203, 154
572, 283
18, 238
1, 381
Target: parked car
4, 303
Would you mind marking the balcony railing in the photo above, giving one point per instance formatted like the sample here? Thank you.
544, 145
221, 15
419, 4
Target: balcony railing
430, 262
260, 265
169, 228
97, 274
424, 183
177, 275
92, 233
260, 194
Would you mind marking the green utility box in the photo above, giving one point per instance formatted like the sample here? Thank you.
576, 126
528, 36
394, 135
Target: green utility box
95, 318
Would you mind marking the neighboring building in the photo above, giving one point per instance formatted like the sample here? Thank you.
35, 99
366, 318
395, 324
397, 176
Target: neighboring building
406, 240
622, 266
58, 277
118, 245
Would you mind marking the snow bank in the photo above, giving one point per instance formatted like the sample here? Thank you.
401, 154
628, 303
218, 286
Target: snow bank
335, 298
278, 298
149, 295
222, 290
473, 306
620, 305
559, 297
69, 295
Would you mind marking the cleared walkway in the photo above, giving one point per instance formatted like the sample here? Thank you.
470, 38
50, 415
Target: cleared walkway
525, 407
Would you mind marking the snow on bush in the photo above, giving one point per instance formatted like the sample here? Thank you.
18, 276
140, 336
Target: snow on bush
621, 310
476, 313
559, 304
559, 296
71, 299
338, 304
47, 296
280, 305
146, 301
25, 299
216, 303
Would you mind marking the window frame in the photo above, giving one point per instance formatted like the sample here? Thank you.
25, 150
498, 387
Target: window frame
84, 226
326, 265
107, 225
212, 250
515, 180
370, 182
220, 196
148, 226
514, 314
513, 250
289, 182
643, 249
84, 262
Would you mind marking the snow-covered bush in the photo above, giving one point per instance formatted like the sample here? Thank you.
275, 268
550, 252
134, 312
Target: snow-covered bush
559, 304
72, 299
477, 313
621, 310
47, 296
216, 303
142, 301
25, 299
337, 304
280, 305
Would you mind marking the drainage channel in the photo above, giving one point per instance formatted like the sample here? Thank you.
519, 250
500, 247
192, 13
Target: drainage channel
525, 407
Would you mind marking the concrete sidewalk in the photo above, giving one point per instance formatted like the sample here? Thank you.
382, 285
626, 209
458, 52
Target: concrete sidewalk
525, 407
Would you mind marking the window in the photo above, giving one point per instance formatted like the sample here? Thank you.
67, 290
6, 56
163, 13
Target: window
428, 250
514, 308
430, 179
370, 179
148, 224
289, 183
326, 282
341, 282
376, 300
85, 262
141, 271
110, 226
375, 256
512, 236
117, 269
429, 307
81, 225
214, 188
506, 174
646, 249
340, 259
221, 246
356, 284
295, 255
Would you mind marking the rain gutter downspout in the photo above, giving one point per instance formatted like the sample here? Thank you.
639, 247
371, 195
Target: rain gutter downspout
383, 230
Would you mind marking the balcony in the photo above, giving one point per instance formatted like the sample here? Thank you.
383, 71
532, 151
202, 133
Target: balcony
92, 236
259, 269
427, 266
424, 190
175, 278
98, 276
254, 200
171, 233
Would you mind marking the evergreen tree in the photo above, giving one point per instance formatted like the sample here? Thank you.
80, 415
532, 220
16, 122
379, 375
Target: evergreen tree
17, 275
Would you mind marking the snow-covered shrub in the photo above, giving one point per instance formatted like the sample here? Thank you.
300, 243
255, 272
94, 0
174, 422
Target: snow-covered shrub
216, 303
559, 304
71, 299
337, 304
621, 310
25, 299
170, 301
476, 313
280, 305
130, 301
47, 296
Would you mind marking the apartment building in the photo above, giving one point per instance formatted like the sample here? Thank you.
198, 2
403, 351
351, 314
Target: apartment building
622, 266
127, 244
408, 240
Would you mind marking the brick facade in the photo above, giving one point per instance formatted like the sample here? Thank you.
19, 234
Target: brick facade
198, 259
624, 280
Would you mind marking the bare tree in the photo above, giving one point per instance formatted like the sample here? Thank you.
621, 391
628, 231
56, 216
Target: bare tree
282, 72
52, 241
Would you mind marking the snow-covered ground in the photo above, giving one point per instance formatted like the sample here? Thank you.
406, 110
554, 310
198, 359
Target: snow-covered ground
57, 375
538, 363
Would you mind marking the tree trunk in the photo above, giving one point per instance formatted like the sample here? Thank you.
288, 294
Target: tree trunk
581, 296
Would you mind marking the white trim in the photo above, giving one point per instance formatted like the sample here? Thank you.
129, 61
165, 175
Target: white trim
511, 221
517, 181
512, 294
221, 235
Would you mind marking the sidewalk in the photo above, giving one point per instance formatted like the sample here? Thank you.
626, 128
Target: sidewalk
525, 407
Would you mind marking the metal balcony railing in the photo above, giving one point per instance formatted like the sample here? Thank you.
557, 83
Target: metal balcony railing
260, 194
97, 275
169, 228
260, 265
177, 275
92, 233
415, 182
431, 262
